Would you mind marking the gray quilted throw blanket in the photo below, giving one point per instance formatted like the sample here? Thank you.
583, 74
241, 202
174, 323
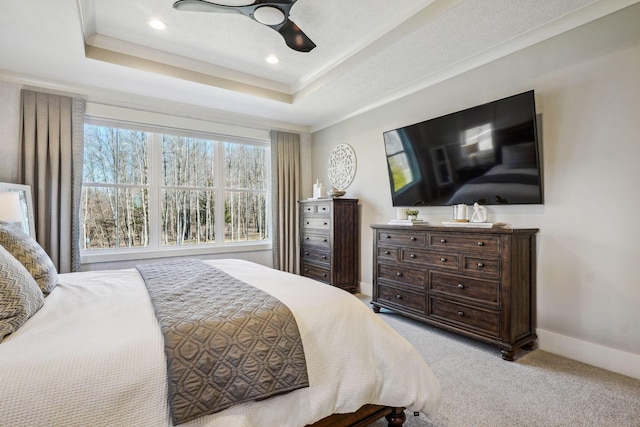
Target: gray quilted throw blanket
226, 341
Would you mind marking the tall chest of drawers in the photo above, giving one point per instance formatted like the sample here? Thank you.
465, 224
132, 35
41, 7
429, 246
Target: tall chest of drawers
329, 241
478, 282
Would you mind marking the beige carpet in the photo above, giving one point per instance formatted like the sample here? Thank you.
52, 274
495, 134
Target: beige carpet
537, 389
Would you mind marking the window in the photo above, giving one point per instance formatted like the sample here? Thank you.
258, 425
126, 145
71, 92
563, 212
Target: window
402, 171
150, 190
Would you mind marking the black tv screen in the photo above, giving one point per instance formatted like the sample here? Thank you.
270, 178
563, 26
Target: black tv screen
487, 154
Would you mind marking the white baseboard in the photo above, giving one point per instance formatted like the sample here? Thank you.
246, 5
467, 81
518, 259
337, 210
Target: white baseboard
366, 288
608, 358
598, 355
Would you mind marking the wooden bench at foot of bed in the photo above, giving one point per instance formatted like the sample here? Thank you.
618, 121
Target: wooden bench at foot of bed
364, 417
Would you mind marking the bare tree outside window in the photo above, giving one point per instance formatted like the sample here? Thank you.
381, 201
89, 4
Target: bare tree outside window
193, 176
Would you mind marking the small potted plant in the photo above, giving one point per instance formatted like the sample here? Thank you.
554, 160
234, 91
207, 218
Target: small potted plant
412, 214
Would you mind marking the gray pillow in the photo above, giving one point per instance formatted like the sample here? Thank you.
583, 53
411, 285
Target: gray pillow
20, 296
25, 249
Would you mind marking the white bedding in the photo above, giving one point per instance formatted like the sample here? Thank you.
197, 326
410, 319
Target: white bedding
93, 356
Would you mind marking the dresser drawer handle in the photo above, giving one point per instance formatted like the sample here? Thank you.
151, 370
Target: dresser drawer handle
413, 239
461, 313
399, 274
460, 286
306, 270
443, 259
324, 274
326, 223
307, 238
443, 240
308, 222
412, 255
399, 296
480, 243
306, 253
324, 257
387, 236
324, 240
480, 265
387, 253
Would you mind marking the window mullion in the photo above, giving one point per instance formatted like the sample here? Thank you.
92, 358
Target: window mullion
219, 215
155, 223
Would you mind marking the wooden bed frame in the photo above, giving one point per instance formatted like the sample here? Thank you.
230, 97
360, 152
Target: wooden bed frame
364, 417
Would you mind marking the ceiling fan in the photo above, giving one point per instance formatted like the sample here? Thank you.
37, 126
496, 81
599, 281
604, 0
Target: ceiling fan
273, 14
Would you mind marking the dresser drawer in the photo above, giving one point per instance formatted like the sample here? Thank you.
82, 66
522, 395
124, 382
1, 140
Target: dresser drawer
432, 258
480, 320
316, 222
319, 207
403, 275
481, 242
389, 253
312, 254
402, 238
483, 266
465, 287
320, 240
402, 298
316, 272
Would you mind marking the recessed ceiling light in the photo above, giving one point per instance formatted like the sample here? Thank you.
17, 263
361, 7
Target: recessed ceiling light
272, 59
157, 24
268, 15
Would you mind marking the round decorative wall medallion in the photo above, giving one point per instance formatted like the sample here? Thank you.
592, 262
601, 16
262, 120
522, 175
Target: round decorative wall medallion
342, 166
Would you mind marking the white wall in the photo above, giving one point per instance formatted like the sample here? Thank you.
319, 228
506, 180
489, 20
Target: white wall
587, 86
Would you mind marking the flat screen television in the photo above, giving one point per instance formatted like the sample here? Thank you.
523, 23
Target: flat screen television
488, 154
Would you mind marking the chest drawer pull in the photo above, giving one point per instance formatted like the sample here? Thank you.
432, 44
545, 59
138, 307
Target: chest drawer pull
399, 296
324, 274
460, 286
306, 238
324, 240
461, 313
443, 240
306, 253
412, 255
480, 243
413, 239
325, 223
399, 274
324, 257
387, 236
480, 265
443, 259
387, 253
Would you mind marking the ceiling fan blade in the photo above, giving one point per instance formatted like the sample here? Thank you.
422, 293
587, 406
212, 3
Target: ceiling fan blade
294, 37
204, 6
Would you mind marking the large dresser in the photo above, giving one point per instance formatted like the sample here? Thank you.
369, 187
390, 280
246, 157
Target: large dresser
478, 282
329, 241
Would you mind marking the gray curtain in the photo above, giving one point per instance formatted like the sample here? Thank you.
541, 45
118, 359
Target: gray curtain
51, 136
285, 167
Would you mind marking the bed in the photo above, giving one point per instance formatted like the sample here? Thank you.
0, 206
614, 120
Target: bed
93, 355
500, 184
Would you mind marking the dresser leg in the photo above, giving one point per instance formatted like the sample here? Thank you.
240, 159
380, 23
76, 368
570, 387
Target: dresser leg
528, 346
376, 309
508, 354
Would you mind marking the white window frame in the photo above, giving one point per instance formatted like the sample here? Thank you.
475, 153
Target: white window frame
155, 249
